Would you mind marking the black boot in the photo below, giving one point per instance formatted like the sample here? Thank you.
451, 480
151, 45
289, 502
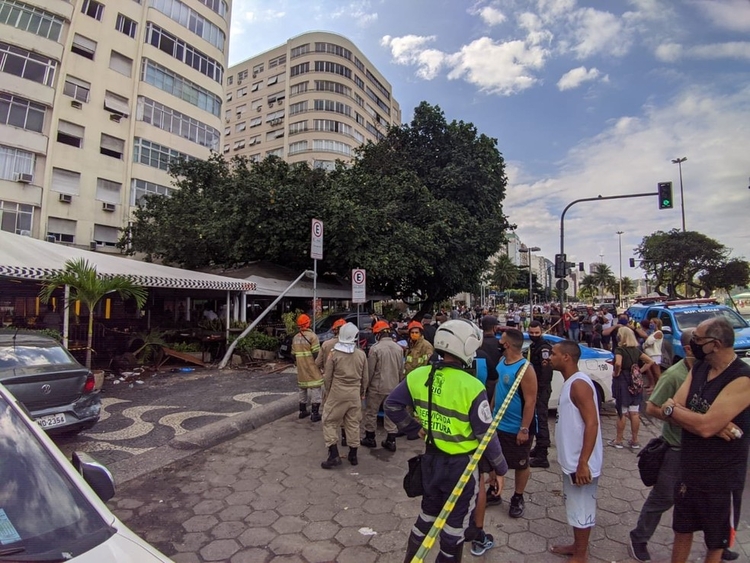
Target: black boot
389, 443
315, 416
333, 458
303, 410
412, 547
540, 459
369, 440
352, 457
455, 557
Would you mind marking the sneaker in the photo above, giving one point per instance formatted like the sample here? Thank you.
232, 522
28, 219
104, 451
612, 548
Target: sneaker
542, 462
517, 506
728, 555
634, 445
493, 497
479, 546
615, 444
639, 551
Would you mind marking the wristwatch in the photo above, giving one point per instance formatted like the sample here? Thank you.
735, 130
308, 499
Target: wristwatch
668, 410
524, 430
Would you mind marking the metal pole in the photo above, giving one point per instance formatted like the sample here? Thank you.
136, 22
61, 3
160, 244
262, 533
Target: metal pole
678, 162
619, 234
531, 299
315, 293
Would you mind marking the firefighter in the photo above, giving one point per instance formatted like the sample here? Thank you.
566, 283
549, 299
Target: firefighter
385, 365
418, 351
325, 351
345, 378
305, 349
452, 405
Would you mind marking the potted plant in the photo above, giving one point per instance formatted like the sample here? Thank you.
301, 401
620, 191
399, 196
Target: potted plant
258, 346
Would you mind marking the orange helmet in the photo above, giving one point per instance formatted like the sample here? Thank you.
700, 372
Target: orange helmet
338, 324
415, 324
380, 326
303, 321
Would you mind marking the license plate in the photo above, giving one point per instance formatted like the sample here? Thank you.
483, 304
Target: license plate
51, 420
283, 347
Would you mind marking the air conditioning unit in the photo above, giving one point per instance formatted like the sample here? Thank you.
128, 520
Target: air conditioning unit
116, 117
255, 75
259, 108
92, 246
270, 104
76, 104
109, 207
50, 238
23, 177
65, 198
280, 101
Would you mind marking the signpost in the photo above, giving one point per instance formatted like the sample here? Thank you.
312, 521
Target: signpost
359, 289
316, 253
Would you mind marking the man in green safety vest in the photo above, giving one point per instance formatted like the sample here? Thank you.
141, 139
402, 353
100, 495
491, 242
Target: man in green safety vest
452, 413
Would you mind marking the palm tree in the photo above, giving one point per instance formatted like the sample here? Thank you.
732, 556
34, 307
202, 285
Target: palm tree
588, 287
504, 273
603, 277
87, 286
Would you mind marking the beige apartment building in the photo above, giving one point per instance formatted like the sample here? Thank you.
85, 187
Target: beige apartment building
314, 99
96, 98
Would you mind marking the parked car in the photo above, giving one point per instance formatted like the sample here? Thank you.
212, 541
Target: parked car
678, 315
53, 510
58, 392
594, 362
324, 331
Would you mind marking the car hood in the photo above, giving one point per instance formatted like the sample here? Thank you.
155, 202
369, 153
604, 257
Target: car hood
123, 547
742, 338
586, 352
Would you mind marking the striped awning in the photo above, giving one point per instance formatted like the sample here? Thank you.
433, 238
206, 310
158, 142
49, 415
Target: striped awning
23, 257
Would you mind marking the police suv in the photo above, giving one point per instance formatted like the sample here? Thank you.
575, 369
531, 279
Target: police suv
678, 315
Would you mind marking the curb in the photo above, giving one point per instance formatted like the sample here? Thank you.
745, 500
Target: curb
205, 437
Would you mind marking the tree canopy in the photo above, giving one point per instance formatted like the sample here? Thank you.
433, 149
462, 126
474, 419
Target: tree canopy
421, 211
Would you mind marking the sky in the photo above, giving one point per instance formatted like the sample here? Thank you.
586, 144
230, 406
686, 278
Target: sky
585, 98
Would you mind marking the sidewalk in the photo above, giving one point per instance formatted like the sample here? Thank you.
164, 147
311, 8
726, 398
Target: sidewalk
262, 497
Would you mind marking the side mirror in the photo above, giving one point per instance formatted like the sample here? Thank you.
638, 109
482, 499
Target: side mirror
95, 474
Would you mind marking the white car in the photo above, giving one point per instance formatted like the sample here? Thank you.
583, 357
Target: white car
49, 510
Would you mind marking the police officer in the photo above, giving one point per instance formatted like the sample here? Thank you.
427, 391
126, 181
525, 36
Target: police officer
451, 404
539, 355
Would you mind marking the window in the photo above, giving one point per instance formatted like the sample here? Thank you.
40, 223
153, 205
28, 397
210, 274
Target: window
20, 112
106, 236
242, 92
229, 97
29, 18
275, 134
257, 69
240, 127
328, 86
255, 104
254, 157
28, 65
335, 68
126, 25
227, 130
332, 146
276, 152
299, 88
297, 127
333, 49
359, 64
255, 121
359, 119
108, 191
299, 107
15, 161
16, 217
299, 51
230, 80
83, 46
116, 104
378, 85
240, 109
280, 60
240, 144
226, 148
66, 181
166, 80
182, 51
120, 63
78, 89
332, 126
192, 20
156, 156
276, 96
93, 9
218, 6
358, 81
254, 140
70, 134
374, 97
241, 75
177, 123
324, 164
63, 230
357, 135
276, 79
141, 188
275, 117
111, 146
330, 105
256, 86
298, 147
359, 100
299, 69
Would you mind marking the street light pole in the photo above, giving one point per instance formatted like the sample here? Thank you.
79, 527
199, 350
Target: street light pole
678, 162
529, 250
619, 234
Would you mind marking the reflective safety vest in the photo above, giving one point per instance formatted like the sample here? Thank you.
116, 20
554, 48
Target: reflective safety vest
453, 393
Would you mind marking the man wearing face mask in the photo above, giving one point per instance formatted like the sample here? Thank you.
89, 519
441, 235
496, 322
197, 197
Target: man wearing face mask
539, 354
713, 408
419, 351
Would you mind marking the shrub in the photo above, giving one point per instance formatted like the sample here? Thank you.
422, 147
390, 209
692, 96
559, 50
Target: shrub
185, 346
256, 340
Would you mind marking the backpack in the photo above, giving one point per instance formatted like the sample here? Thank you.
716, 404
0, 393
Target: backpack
635, 386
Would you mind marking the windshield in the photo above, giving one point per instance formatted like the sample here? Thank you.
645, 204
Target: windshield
41, 510
693, 317
325, 324
36, 355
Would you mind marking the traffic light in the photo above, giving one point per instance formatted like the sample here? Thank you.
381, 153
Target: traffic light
665, 195
632, 262
581, 267
560, 265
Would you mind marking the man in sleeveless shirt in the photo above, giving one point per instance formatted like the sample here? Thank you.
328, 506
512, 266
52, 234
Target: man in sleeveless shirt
713, 409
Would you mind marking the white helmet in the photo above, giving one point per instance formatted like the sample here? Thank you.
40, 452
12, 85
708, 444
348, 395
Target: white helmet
348, 333
460, 338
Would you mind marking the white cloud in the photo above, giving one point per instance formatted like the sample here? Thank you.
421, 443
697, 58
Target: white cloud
577, 76
672, 52
492, 16
599, 32
733, 15
359, 11
669, 52
411, 49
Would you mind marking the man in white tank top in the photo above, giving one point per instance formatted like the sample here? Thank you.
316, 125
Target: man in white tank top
578, 438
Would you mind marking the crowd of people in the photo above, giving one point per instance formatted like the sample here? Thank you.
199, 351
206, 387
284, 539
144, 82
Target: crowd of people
444, 381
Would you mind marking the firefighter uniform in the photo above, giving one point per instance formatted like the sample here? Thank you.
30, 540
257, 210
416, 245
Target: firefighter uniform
305, 346
418, 354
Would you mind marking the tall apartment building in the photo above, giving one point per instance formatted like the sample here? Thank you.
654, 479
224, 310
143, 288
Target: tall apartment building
96, 98
314, 99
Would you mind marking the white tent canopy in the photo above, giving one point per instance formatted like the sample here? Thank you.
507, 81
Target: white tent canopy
24, 257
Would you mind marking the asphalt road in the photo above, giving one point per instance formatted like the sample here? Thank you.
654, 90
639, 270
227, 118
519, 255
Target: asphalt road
146, 413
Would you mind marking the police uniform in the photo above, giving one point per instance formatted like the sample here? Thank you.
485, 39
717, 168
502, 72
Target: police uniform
460, 417
539, 354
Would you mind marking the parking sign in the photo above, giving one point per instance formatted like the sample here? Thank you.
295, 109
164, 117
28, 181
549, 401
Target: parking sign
316, 240
359, 292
